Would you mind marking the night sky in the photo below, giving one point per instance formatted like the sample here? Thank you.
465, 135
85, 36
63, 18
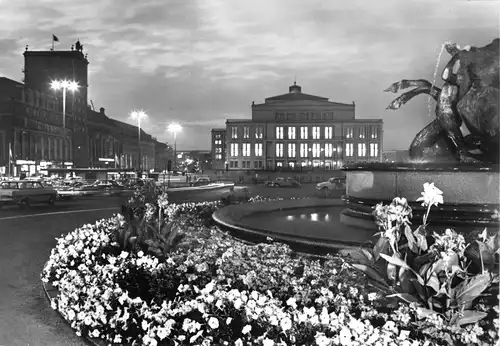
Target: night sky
200, 62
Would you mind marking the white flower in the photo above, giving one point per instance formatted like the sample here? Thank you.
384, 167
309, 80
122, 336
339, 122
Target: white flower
286, 324
228, 320
345, 336
431, 195
291, 302
140, 254
267, 342
95, 333
117, 339
237, 303
246, 329
238, 342
124, 254
213, 323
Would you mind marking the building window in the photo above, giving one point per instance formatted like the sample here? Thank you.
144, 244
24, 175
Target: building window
279, 132
258, 149
303, 132
233, 164
245, 164
374, 132
246, 149
217, 136
349, 149
328, 132
316, 150
218, 150
361, 149
234, 149
234, 132
218, 156
304, 151
218, 142
348, 132
258, 164
246, 132
259, 132
328, 149
362, 132
374, 150
291, 132
291, 150
316, 132
279, 149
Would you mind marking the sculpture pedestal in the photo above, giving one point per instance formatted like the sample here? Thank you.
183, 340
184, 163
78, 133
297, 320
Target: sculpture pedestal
470, 193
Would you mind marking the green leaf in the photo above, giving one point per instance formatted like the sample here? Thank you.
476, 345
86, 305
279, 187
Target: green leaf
412, 242
361, 256
391, 272
470, 316
470, 289
379, 247
406, 297
371, 273
433, 282
395, 261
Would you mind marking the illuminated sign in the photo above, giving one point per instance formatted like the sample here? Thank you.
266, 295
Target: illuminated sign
106, 160
25, 162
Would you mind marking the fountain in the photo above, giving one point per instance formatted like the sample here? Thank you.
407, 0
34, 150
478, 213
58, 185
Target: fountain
465, 168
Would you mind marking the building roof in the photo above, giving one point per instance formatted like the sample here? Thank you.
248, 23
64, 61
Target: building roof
238, 121
219, 129
295, 94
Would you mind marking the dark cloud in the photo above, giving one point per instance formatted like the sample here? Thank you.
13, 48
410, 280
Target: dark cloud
199, 62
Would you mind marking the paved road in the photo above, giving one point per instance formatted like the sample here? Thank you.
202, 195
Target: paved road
26, 238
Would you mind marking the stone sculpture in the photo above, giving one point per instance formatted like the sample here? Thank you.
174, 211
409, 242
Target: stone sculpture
469, 97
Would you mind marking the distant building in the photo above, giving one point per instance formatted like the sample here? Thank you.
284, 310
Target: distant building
218, 152
396, 156
301, 132
163, 154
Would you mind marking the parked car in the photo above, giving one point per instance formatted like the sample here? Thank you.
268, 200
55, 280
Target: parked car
200, 181
335, 183
24, 193
284, 182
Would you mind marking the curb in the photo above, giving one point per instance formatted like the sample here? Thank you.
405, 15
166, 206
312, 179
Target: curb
49, 295
200, 188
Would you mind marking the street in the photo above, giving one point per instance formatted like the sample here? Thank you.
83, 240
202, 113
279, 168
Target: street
27, 237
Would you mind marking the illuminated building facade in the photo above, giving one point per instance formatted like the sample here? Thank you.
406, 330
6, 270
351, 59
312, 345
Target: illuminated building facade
301, 132
218, 152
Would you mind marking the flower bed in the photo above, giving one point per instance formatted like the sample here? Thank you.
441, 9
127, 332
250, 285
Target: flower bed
161, 274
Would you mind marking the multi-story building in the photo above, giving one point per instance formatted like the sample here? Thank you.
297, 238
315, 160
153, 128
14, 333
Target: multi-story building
164, 154
301, 132
105, 140
31, 131
218, 149
43, 67
131, 155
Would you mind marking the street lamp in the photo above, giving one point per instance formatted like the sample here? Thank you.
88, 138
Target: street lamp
64, 85
138, 115
174, 128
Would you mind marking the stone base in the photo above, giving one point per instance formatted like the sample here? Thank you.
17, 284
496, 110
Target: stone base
470, 193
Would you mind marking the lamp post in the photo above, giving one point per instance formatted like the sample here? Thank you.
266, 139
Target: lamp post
65, 85
138, 115
174, 128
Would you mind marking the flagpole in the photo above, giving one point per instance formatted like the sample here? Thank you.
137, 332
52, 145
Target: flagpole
53, 41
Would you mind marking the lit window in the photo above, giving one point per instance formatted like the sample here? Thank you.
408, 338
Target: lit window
218, 157
291, 132
362, 132
374, 149
234, 132
328, 149
349, 149
374, 132
246, 149
316, 130
328, 132
259, 132
279, 149
348, 132
291, 150
361, 149
234, 149
218, 150
303, 132
258, 149
316, 150
246, 132
304, 150
279, 132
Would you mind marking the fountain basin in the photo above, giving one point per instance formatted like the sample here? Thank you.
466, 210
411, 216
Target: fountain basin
471, 193
313, 223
